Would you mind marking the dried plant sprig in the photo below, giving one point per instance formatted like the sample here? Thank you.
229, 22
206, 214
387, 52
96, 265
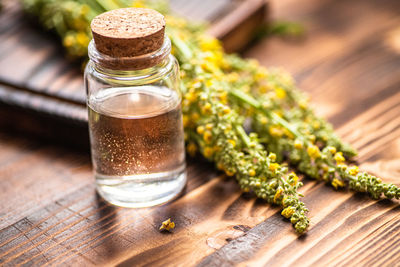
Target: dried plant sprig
218, 134
282, 137
276, 90
217, 131
167, 225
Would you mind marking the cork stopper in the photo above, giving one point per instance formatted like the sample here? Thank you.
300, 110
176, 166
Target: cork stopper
128, 32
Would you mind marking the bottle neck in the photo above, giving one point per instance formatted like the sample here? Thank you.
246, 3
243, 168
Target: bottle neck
134, 65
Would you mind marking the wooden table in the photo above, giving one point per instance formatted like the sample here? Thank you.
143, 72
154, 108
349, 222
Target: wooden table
350, 63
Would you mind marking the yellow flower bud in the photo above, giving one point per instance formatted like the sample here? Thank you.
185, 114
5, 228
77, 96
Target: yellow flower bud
195, 116
209, 43
298, 144
252, 172
339, 158
316, 125
313, 151
353, 170
167, 225
190, 96
275, 131
200, 129
85, 9
207, 136
191, 149
280, 93
273, 166
295, 179
206, 108
138, 4
337, 183
228, 129
260, 74
209, 83
185, 120
287, 212
209, 126
224, 97
278, 112
232, 77
232, 142
226, 110
303, 104
272, 156
69, 40
332, 149
278, 194
208, 152
289, 134
264, 120
82, 38
229, 173
263, 89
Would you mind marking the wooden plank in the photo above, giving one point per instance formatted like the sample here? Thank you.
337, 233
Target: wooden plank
249, 15
29, 60
34, 66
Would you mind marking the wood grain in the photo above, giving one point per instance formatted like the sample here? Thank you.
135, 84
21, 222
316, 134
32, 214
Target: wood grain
51, 215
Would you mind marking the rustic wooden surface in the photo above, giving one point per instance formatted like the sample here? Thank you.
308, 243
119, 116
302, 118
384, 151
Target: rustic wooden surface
349, 61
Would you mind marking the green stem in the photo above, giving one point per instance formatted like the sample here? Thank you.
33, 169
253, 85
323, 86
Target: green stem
245, 98
107, 4
243, 135
283, 123
184, 50
254, 103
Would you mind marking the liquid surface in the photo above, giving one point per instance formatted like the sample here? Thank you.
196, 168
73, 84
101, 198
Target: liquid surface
137, 140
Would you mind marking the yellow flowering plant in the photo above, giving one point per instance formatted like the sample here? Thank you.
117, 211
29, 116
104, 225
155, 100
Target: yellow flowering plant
221, 91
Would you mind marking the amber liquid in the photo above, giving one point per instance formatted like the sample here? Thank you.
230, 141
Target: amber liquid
137, 144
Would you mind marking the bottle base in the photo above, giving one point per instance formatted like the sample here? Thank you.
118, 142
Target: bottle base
139, 191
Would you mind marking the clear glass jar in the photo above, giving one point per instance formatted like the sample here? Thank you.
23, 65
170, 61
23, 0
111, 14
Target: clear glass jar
135, 126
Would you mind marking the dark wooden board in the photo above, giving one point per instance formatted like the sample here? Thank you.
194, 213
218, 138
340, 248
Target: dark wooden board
36, 80
30, 61
51, 215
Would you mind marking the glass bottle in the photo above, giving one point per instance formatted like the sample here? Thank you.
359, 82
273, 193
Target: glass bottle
134, 104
